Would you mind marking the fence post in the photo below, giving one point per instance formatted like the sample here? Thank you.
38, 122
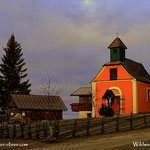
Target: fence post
50, 136
1, 130
88, 126
56, 130
51, 131
145, 120
74, 128
37, 130
29, 131
117, 123
131, 121
102, 126
22, 131
14, 131
7, 130
45, 129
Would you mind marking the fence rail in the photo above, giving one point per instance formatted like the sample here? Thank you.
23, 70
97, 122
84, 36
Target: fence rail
75, 127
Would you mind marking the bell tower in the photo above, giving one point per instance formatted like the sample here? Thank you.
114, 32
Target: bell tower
117, 50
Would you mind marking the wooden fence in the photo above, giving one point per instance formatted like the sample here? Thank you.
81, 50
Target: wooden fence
74, 128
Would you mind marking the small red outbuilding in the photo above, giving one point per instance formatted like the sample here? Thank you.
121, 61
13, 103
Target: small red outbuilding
36, 107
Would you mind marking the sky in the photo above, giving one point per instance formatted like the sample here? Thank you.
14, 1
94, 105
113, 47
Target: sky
69, 38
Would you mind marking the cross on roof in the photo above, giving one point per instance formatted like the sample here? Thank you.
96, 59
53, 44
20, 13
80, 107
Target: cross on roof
117, 34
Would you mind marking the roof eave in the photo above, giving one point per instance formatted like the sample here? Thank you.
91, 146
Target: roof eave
112, 64
81, 95
44, 109
117, 46
143, 81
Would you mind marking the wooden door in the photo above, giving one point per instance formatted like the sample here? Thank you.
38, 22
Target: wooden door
116, 104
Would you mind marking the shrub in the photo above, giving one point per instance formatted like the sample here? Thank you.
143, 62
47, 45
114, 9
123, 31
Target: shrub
102, 110
106, 111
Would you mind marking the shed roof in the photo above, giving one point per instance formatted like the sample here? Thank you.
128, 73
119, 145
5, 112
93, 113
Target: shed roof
83, 91
38, 102
117, 43
134, 68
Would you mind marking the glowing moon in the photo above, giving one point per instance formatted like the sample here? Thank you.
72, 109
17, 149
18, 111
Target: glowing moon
88, 2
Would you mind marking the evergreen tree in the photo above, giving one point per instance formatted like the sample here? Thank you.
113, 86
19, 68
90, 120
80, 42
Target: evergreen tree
12, 71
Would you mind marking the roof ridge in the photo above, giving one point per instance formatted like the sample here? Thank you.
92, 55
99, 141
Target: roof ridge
34, 95
82, 91
86, 87
38, 102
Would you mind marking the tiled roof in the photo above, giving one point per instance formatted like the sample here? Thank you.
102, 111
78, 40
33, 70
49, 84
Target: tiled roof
135, 69
38, 102
83, 91
117, 43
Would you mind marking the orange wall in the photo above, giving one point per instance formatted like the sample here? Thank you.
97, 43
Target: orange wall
105, 73
126, 88
143, 104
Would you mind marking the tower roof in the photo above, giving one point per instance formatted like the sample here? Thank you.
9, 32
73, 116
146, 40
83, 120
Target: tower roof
117, 43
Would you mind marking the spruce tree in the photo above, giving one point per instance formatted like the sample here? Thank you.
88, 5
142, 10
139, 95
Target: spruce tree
12, 71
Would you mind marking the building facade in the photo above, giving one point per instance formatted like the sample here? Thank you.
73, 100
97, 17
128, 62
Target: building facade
84, 107
122, 83
36, 107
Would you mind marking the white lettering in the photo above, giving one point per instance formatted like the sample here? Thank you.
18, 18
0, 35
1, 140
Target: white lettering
135, 144
13, 144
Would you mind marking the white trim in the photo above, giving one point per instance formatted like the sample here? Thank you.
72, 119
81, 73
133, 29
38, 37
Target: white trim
111, 67
114, 80
143, 82
83, 114
135, 101
98, 74
93, 99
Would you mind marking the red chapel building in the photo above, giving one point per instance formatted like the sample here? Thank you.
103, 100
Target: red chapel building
122, 83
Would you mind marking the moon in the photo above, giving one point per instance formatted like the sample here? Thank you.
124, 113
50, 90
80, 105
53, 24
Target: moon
87, 2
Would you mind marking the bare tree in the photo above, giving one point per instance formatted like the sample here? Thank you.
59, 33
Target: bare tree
50, 86
94, 100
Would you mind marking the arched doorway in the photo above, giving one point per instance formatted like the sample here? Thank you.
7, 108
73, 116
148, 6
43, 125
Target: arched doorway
116, 103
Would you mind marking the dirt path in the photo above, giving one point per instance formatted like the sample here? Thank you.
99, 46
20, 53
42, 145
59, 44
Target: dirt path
104, 142
97, 142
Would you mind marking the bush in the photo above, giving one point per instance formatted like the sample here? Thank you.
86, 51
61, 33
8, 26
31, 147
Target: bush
106, 111
102, 110
109, 112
